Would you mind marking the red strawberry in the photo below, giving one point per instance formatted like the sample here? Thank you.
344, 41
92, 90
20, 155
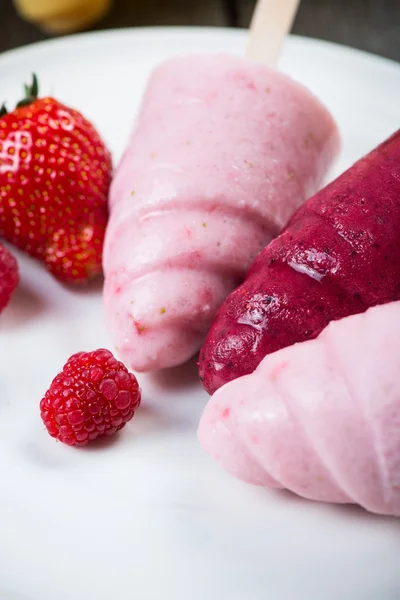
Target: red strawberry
55, 172
9, 277
92, 397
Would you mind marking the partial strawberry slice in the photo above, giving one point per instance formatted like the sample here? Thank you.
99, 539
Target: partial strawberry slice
9, 277
55, 172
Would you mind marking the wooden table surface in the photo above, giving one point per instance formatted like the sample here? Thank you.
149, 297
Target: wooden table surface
372, 25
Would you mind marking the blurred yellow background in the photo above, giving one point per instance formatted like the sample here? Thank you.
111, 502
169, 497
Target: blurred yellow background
62, 16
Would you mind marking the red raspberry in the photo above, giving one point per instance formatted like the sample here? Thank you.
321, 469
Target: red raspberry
93, 396
9, 276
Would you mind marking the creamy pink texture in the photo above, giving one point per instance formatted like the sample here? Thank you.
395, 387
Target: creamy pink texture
223, 152
321, 418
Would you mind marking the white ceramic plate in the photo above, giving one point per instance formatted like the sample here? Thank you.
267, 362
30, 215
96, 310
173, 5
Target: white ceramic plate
148, 515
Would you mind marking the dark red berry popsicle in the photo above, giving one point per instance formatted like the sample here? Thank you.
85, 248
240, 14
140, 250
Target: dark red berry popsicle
338, 255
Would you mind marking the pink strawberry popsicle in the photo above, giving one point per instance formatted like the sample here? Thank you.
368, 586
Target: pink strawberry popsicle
223, 151
320, 418
338, 255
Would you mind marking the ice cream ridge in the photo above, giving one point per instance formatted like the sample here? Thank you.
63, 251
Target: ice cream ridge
223, 151
338, 255
320, 418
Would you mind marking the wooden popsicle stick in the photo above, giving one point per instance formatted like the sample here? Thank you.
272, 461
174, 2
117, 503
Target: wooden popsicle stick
272, 20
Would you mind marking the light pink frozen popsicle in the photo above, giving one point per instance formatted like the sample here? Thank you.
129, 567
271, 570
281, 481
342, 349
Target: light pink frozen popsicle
223, 152
320, 418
